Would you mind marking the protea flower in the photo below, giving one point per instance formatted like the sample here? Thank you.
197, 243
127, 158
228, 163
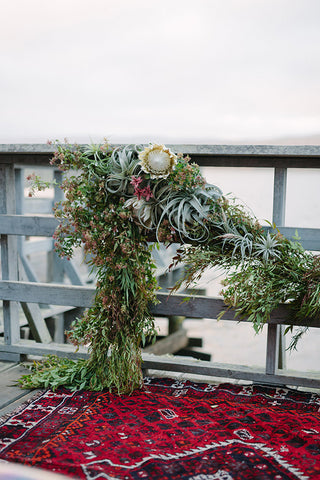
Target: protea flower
140, 210
157, 160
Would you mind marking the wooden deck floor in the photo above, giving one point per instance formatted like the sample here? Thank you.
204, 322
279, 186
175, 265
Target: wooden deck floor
11, 395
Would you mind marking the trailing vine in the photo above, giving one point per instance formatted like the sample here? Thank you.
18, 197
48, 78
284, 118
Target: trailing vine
116, 200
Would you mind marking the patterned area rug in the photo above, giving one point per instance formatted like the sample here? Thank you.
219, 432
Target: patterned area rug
170, 430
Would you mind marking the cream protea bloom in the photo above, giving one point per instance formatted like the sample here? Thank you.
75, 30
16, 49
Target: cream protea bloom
157, 160
140, 209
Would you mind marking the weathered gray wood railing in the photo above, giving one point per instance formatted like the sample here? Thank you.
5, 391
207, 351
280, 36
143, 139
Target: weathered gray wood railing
14, 288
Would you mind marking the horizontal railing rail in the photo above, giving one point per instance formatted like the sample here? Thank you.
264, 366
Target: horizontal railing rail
35, 226
43, 226
15, 289
197, 307
272, 156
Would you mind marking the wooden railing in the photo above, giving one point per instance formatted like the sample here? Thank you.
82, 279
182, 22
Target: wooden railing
14, 288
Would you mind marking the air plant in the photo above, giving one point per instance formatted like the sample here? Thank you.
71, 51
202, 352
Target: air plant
266, 247
123, 165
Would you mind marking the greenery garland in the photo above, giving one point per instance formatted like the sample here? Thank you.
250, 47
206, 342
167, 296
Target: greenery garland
116, 199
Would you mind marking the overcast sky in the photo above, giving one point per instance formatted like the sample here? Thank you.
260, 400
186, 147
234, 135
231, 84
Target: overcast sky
170, 70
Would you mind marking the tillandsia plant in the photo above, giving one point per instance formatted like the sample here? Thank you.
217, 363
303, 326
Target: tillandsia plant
118, 199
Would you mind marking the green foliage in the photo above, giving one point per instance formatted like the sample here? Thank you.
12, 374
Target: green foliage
37, 184
254, 286
112, 207
263, 270
119, 319
53, 372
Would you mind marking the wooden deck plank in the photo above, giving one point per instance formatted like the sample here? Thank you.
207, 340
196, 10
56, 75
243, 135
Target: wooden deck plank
170, 344
6, 365
9, 391
11, 407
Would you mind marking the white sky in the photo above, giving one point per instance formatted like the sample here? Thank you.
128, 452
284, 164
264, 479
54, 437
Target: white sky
176, 71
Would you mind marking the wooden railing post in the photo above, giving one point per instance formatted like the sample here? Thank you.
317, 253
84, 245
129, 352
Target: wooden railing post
20, 210
55, 272
275, 337
279, 196
9, 259
58, 267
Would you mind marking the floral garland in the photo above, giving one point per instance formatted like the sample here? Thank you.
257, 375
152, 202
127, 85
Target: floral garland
117, 199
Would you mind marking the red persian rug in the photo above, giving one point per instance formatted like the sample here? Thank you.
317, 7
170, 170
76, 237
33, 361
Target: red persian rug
170, 430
